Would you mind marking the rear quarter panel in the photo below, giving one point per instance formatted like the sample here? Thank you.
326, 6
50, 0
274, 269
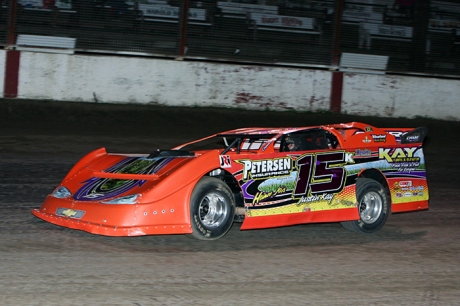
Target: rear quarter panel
320, 186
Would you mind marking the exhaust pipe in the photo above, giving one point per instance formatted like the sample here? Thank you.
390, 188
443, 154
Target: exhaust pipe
240, 211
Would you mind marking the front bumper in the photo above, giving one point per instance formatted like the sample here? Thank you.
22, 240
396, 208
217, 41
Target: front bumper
111, 230
114, 219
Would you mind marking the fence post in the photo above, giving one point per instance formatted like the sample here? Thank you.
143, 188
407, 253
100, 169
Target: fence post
335, 105
10, 89
337, 30
183, 29
420, 34
10, 86
11, 39
336, 92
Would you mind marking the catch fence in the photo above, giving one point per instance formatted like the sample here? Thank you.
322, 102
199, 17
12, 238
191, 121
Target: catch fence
397, 36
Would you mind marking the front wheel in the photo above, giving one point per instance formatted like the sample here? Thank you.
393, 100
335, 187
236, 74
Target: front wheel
373, 205
212, 209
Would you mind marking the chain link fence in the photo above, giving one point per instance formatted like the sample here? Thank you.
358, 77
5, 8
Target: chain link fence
400, 36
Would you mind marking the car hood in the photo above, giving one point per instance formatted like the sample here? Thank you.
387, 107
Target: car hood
112, 175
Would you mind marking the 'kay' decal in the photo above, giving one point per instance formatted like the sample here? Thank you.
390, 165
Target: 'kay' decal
398, 154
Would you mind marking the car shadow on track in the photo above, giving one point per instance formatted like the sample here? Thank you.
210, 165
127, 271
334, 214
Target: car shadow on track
312, 235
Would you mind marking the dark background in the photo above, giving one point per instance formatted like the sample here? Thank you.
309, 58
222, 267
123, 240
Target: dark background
117, 27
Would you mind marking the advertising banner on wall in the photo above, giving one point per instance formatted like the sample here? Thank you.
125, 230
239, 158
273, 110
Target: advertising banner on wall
243, 8
388, 30
64, 4
46, 4
166, 11
31, 3
283, 21
443, 25
361, 13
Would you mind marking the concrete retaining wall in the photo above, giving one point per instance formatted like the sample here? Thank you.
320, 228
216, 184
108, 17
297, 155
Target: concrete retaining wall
401, 96
112, 79
168, 82
2, 69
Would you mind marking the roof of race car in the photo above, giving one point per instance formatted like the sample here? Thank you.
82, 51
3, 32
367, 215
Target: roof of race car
253, 131
263, 131
354, 133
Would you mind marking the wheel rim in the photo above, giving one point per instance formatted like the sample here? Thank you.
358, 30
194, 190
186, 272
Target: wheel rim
213, 210
370, 207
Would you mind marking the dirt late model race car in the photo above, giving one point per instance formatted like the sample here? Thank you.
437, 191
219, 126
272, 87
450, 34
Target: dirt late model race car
351, 173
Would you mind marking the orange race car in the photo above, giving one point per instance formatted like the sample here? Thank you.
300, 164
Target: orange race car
351, 173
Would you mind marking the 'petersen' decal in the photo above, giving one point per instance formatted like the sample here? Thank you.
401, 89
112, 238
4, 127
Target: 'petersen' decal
260, 169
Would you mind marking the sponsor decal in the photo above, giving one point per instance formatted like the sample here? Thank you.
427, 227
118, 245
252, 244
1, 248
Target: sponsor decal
404, 184
225, 161
402, 159
413, 138
70, 213
366, 140
266, 196
275, 190
379, 138
398, 155
259, 169
368, 129
363, 153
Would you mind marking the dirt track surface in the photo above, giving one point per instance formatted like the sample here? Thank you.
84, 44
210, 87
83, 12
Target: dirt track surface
413, 260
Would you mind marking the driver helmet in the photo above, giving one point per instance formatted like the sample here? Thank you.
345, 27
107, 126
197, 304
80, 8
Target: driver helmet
290, 143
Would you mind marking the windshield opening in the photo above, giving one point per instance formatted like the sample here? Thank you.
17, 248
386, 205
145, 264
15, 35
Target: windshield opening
227, 142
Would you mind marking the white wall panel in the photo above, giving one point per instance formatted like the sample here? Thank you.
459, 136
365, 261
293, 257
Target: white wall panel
2, 69
109, 79
401, 96
140, 80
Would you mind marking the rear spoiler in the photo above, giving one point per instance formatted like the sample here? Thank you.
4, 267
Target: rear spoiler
416, 135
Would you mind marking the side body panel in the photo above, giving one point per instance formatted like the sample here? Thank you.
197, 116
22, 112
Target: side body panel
282, 189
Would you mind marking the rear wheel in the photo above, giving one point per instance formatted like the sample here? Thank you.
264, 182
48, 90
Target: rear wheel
212, 209
373, 205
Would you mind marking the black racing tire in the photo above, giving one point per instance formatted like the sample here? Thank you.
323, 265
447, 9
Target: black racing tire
212, 209
373, 205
